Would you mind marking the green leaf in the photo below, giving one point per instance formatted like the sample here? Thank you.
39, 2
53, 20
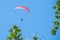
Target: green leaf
11, 30
53, 32
54, 7
58, 2
55, 27
56, 22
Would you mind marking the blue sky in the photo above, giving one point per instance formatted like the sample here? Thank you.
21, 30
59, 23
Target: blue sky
39, 20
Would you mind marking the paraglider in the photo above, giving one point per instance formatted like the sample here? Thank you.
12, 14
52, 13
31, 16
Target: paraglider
21, 19
22, 7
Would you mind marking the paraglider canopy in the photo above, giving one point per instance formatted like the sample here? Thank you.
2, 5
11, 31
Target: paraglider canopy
22, 7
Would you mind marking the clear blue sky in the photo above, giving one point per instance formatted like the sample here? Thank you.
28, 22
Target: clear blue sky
39, 20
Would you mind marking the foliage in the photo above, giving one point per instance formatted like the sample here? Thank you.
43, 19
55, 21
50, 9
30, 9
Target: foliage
15, 33
35, 37
57, 16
